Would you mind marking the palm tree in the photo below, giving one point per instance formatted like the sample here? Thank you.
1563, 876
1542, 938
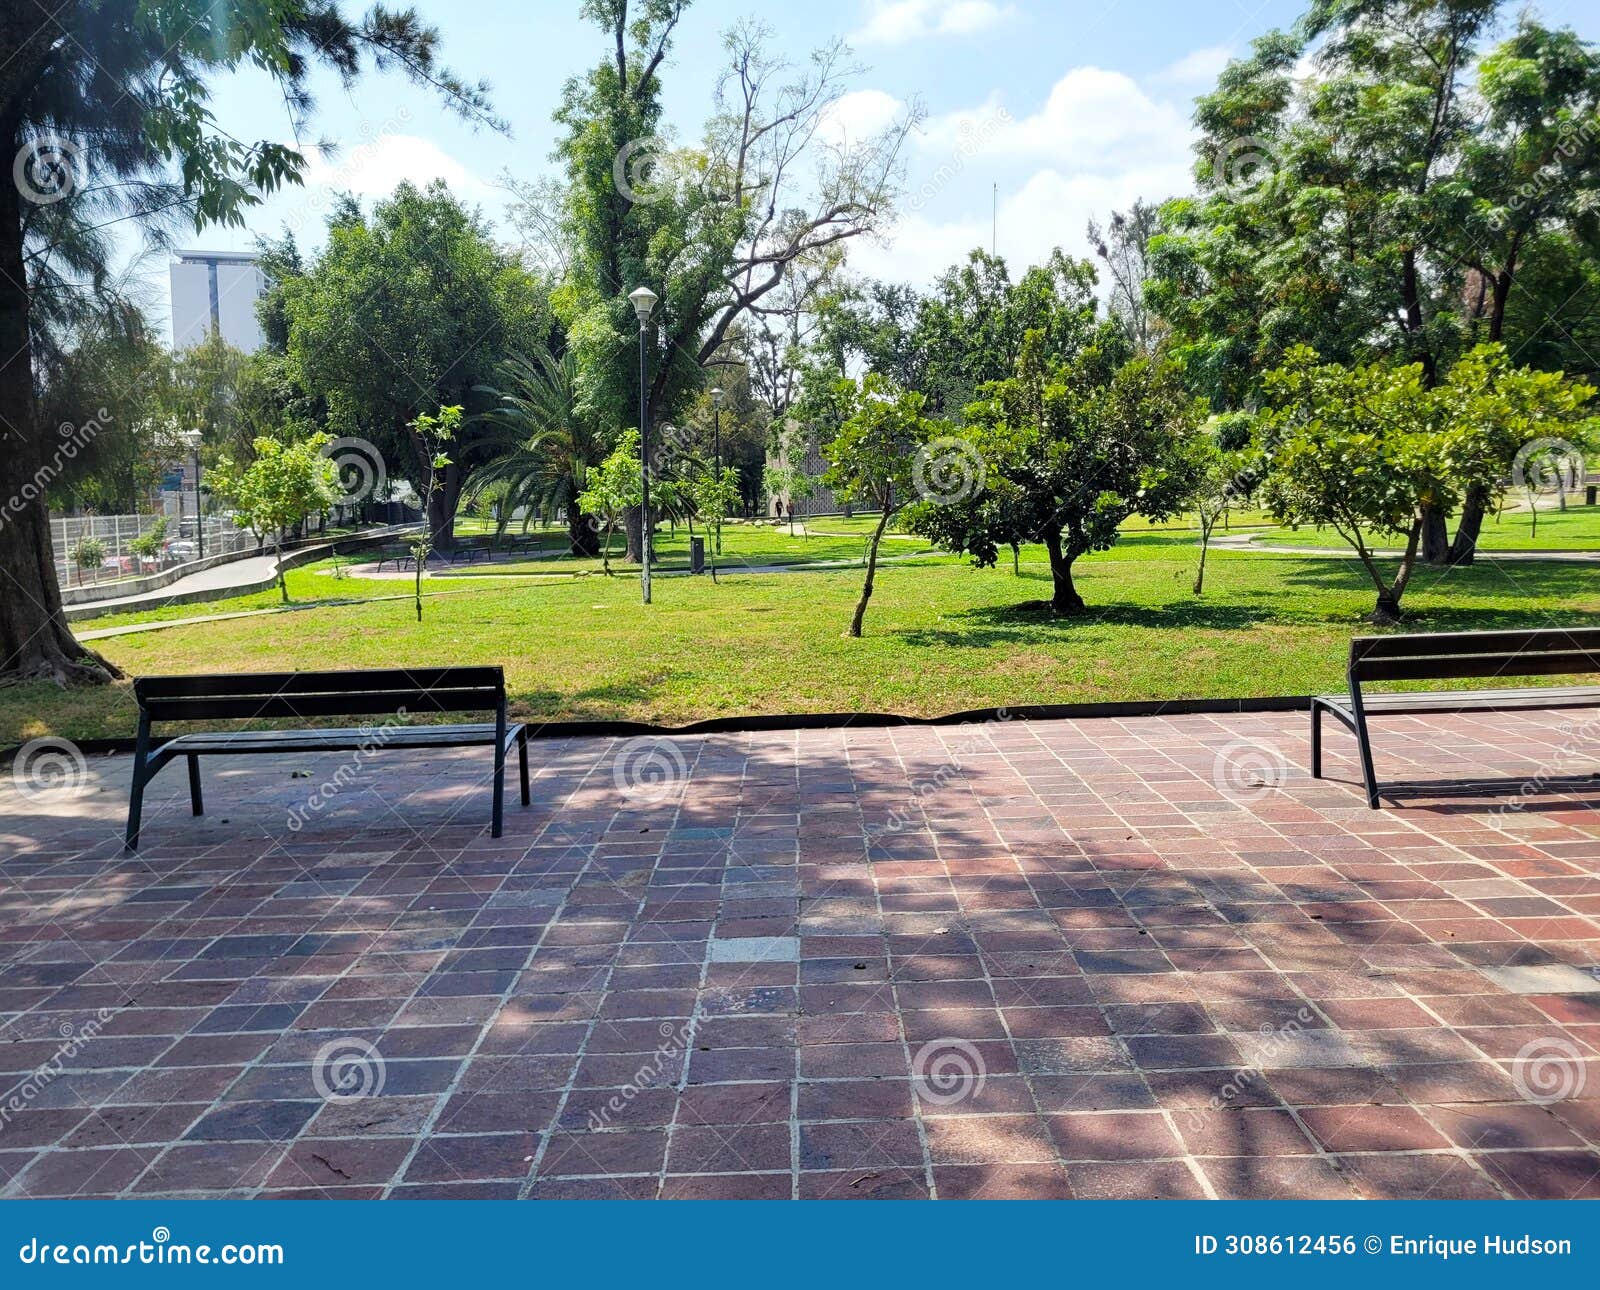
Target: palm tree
540, 447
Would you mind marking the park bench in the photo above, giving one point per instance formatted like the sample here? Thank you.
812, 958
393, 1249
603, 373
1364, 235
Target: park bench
467, 552
401, 693
1444, 656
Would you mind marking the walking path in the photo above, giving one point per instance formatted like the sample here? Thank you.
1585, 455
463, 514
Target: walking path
1247, 542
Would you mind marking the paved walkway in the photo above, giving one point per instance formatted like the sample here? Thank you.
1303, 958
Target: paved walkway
1247, 542
1145, 957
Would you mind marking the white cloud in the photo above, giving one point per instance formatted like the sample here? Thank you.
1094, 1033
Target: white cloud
1197, 69
373, 167
1092, 119
859, 115
896, 22
1096, 143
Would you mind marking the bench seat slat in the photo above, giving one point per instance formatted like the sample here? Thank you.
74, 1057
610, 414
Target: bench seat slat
1435, 701
211, 743
1457, 644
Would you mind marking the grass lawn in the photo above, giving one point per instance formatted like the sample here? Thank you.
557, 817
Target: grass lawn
1575, 529
941, 635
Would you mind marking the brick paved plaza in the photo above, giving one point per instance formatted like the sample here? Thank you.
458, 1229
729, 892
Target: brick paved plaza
1108, 958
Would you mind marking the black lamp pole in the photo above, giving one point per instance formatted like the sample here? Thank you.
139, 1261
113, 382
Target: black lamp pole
644, 300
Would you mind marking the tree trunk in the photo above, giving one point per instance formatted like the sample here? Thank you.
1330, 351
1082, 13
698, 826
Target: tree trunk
1465, 547
1435, 537
1205, 543
35, 641
442, 503
872, 570
633, 532
583, 537
1016, 560
1064, 598
283, 582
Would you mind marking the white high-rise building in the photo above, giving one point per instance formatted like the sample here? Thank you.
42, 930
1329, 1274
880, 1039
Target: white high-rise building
216, 291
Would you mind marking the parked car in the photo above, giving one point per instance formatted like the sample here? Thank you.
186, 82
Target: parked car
181, 550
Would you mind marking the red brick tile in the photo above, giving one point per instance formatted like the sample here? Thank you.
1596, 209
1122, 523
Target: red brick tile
1372, 1128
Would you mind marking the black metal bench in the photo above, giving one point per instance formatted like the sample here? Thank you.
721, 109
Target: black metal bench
1551, 651
249, 696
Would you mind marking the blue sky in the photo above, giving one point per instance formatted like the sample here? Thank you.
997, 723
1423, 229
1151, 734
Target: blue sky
1070, 107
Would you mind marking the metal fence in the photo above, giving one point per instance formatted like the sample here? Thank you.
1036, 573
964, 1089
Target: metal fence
182, 543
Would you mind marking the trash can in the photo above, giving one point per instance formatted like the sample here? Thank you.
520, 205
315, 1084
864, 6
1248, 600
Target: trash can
1589, 494
697, 555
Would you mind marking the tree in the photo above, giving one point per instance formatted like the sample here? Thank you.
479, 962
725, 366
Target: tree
1384, 206
1223, 467
1124, 247
715, 228
713, 499
89, 552
285, 484
1368, 450
1069, 453
410, 310
612, 489
873, 459
542, 446
434, 432
126, 83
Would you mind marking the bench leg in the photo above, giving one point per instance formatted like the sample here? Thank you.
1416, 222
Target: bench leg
141, 757
1316, 740
1368, 775
499, 790
522, 757
196, 802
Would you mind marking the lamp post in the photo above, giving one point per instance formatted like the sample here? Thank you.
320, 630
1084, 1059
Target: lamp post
716, 453
193, 438
644, 300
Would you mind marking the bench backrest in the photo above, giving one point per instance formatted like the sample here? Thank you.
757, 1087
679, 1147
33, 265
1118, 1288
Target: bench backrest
247, 695
1440, 656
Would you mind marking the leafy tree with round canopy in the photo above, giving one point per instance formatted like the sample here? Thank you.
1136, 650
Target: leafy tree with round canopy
1070, 453
287, 483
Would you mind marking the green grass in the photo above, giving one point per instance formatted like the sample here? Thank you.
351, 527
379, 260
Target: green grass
941, 635
1575, 529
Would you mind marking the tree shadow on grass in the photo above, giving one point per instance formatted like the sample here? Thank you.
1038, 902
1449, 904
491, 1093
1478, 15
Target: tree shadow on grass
1034, 620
